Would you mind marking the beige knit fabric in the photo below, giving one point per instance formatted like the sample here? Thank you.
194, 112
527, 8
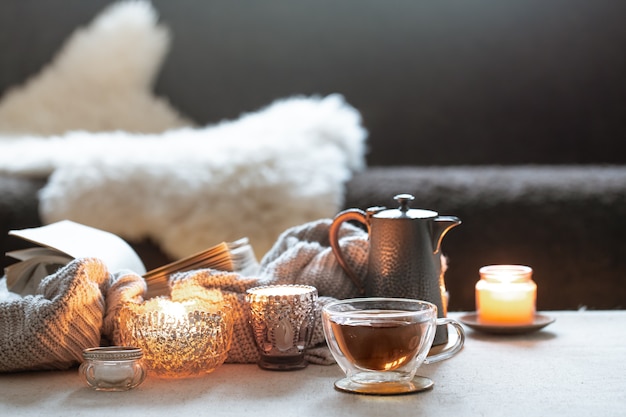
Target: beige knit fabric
124, 287
50, 329
302, 255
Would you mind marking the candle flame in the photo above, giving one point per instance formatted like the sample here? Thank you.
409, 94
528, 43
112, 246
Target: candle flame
172, 309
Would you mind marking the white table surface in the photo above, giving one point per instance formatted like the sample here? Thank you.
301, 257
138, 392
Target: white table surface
574, 367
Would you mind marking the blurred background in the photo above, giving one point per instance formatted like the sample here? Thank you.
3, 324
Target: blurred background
438, 83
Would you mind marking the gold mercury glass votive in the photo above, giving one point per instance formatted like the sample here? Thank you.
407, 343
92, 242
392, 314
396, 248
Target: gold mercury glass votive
179, 339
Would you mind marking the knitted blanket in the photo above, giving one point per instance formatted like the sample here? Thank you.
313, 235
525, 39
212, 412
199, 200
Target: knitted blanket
79, 304
50, 329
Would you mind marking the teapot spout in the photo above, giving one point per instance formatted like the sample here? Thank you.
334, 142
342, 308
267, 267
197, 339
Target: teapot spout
441, 226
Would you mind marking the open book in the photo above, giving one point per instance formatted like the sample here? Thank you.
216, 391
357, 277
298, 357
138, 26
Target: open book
59, 243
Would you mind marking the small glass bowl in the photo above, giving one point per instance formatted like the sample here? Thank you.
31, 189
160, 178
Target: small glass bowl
112, 368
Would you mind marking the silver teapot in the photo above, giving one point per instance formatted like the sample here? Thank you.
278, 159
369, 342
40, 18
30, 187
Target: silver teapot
404, 257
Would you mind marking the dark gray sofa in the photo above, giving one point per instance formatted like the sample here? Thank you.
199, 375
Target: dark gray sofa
510, 115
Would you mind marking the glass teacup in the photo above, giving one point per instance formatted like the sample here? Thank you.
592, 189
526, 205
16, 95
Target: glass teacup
380, 342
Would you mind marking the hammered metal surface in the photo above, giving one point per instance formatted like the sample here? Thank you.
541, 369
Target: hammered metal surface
404, 258
402, 264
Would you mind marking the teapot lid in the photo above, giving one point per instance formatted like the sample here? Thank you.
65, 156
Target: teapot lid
404, 211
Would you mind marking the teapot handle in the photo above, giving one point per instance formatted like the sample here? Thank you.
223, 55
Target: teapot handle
441, 226
333, 235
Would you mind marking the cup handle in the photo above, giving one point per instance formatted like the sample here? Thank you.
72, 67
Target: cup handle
454, 349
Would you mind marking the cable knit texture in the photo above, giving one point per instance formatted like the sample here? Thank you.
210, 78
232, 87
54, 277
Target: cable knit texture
50, 330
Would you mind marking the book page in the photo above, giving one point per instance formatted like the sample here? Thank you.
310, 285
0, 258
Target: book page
80, 241
237, 256
36, 264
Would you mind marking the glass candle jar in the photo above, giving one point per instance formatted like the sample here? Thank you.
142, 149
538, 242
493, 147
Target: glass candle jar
114, 368
282, 318
179, 339
506, 295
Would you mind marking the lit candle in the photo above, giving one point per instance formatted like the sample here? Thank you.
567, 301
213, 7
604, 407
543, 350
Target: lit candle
506, 295
179, 338
174, 311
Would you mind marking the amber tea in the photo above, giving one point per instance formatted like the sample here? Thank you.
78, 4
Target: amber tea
382, 345
380, 342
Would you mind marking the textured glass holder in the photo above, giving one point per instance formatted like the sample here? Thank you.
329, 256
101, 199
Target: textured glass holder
113, 368
282, 318
179, 339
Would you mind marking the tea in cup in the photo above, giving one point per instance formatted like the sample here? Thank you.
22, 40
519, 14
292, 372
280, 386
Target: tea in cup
380, 342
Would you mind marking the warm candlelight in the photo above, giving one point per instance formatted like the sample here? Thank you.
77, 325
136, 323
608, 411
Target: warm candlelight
179, 338
279, 290
506, 295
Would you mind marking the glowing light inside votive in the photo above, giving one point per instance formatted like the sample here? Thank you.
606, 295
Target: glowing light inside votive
173, 310
506, 295
179, 338
281, 290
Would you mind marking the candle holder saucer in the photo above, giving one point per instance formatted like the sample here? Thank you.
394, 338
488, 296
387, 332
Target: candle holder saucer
540, 321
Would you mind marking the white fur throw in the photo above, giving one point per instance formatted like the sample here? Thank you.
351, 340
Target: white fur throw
185, 188
101, 79
189, 189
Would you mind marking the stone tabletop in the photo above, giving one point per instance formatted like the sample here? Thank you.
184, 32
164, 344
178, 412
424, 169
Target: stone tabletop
576, 366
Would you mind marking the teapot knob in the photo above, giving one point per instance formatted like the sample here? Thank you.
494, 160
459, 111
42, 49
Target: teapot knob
404, 200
